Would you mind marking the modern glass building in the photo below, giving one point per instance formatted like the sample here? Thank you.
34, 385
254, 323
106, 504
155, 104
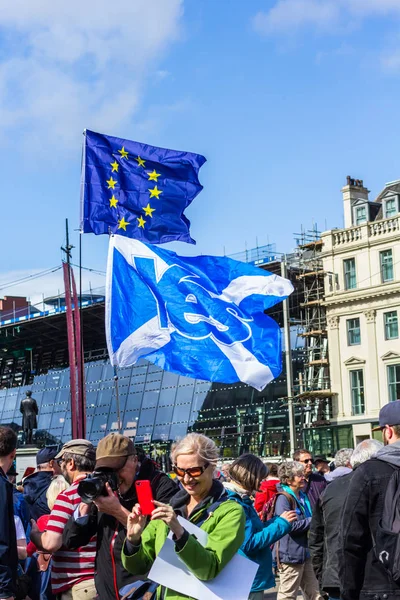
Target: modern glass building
157, 408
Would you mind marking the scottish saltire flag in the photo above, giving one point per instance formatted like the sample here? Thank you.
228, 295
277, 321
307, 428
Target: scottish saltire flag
136, 190
197, 316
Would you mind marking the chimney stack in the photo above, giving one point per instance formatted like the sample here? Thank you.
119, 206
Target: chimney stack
352, 191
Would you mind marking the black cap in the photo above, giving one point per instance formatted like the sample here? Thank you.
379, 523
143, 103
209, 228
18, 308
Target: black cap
389, 415
321, 458
12, 471
46, 455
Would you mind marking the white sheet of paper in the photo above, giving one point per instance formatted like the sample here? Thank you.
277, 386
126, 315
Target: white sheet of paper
233, 583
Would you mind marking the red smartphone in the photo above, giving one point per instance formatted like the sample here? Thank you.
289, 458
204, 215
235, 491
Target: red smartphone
145, 496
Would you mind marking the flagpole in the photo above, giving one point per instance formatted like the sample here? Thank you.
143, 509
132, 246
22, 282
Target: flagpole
289, 368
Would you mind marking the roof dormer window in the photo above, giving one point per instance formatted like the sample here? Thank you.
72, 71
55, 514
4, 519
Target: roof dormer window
391, 207
361, 214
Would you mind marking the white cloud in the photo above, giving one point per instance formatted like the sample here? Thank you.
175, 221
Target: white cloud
332, 16
287, 15
70, 65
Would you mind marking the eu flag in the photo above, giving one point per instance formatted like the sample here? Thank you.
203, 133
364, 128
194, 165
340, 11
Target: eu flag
136, 190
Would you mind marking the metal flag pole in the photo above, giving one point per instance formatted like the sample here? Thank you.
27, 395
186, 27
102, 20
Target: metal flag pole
289, 368
119, 425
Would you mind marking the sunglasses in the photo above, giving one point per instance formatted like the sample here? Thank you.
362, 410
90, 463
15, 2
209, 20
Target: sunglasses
192, 471
307, 460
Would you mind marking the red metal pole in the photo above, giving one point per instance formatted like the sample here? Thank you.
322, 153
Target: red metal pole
71, 350
81, 413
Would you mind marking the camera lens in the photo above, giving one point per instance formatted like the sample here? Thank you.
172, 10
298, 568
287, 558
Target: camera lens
91, 487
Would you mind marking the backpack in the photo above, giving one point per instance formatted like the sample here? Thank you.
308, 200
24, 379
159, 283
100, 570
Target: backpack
268, 510
387, 538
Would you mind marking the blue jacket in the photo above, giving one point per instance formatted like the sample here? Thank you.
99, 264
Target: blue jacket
35, 488
293, 548
21, 509
258, 538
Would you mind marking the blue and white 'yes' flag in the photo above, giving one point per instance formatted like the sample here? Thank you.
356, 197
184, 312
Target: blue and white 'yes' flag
198, 316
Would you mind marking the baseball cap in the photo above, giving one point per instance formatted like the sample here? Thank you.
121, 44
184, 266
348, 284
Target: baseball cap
12, 471
78, 447
113, 450
45, 455
389, 415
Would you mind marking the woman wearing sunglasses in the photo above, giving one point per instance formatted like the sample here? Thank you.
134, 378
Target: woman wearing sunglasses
293, 556
246, 473
202, 500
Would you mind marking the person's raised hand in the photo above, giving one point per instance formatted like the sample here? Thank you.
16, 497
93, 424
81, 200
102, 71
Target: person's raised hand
110, 504
136, 524
289, 515
166, 513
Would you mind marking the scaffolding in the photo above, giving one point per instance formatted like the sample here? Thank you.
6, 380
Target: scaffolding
314, 390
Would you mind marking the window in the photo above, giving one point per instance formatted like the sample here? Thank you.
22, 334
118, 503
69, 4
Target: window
391, 325
386, 260
357, 392
353, 332
361, 214
394, 382
350, 281
391, 207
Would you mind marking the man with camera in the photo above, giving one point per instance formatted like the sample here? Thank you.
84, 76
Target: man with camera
72, 574
108, 498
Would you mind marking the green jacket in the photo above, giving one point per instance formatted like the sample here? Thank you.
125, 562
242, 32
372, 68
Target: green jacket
225, 528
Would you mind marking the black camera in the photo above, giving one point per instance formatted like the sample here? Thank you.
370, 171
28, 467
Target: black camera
94, 485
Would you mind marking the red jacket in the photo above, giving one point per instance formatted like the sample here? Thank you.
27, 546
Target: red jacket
268, 491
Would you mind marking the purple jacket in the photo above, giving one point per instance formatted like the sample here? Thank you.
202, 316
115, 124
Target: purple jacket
314, 488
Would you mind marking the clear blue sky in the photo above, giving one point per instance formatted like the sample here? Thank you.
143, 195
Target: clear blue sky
284, 98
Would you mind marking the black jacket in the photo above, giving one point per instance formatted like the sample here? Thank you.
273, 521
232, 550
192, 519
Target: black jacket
35, 488
323, 539
8, 539
110, 576
361, 574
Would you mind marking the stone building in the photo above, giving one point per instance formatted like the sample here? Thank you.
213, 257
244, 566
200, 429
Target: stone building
362, 300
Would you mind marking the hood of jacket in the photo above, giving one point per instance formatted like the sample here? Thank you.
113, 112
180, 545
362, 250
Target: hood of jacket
390, 454
36, 484
338, 472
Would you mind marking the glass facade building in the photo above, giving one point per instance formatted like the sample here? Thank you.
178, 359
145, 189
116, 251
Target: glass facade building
157, 408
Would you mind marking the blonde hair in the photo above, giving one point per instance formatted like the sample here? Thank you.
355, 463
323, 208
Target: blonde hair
196, 443
58, 484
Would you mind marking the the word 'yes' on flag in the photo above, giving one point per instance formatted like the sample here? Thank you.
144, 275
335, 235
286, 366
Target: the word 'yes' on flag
136, 190
200, 316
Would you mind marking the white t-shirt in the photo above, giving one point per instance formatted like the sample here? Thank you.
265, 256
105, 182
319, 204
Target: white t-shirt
19, 528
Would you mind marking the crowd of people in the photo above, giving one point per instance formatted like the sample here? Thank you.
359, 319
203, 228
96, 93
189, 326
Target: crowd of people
73, 528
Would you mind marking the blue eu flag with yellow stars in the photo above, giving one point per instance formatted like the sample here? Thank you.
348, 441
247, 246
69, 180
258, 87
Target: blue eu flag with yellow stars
136, 190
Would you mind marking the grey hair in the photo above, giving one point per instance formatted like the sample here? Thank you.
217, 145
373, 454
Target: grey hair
363, 451
196, 443
288, 470
343, 456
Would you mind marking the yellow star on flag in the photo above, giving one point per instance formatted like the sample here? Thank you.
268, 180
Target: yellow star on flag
140, 161
113, 201
141, 222
123, 152
122, 224
155, 192
111, 183
149, 211
153, 175
115, 166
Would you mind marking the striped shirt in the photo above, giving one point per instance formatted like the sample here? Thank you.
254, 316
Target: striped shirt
69, 566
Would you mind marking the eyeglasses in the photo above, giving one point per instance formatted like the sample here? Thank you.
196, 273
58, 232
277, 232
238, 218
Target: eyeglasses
59, 461
192, 471
307, 460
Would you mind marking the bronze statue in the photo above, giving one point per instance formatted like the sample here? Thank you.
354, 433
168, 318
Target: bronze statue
29, 410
